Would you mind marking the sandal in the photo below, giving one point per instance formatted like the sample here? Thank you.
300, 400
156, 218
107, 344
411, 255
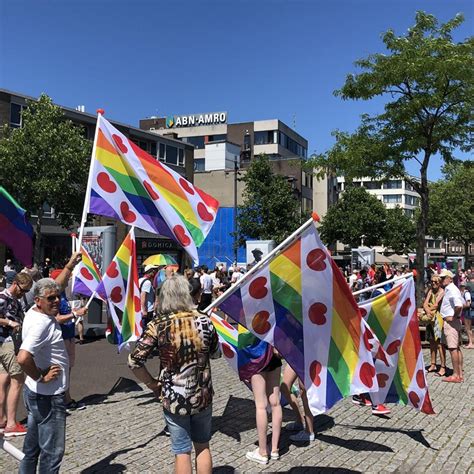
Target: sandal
430, 369
439, 374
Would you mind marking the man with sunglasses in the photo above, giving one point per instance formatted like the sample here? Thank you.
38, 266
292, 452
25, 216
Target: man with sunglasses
11, 374
44, 359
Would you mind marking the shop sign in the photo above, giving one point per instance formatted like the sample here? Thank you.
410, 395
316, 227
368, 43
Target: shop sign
214, 118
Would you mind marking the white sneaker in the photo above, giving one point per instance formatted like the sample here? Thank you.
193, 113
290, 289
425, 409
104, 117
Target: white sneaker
302, 436
256, 457
274, 455
294, 426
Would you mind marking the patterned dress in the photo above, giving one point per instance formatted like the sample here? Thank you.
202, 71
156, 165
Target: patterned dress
185, 342
437, 323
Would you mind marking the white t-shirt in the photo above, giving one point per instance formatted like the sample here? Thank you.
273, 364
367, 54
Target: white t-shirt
206, 283
42, 338
452, 298
236, 276
146, 287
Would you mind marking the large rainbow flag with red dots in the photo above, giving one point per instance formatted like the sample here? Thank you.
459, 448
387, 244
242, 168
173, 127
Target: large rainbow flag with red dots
130, 185
119, 287
393, 318
299, 302
243, 351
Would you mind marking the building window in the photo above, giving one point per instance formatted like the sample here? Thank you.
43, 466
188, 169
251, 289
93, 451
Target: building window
216, 138
247, 142
180, 157
198, 142
392, 198
410, 213
153, 149
15, 115
161, 155
412, 200
393, 184
408, 186
372, 185
265, 138
199, 165
171, 155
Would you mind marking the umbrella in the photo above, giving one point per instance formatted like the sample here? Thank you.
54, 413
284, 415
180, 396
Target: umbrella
160, 259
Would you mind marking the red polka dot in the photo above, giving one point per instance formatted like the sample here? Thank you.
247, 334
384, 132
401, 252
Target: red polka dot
367, 374
420, 379
86, 274
120, 144
181, 235
228, 352
316, 260
382, 380
128, 215
112, 271
204, 214
257, 288
414, 399
405, 308
314, 371
367, 337
137, 303
363, 312
116, 294
393, 347
317, 313
153, 194
186, 186
104, 181
260, 323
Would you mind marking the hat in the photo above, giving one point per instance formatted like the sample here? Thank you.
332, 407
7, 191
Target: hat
148, 268
55, 273
445, 273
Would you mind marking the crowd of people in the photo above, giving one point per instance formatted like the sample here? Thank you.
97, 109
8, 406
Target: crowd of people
182, 336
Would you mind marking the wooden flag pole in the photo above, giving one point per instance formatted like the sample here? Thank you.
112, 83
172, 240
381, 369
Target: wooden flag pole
87, 198
262, 262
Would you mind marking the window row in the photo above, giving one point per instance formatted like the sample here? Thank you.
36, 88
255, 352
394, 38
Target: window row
200, 142
269, 137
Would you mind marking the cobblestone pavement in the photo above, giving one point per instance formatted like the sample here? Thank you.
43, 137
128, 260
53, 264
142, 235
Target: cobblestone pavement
122, 432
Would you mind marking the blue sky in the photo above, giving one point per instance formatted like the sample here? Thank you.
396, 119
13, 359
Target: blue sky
254, 59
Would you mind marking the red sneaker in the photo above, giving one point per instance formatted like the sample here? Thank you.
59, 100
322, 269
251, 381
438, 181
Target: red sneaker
361, 400
380, 410
17, 430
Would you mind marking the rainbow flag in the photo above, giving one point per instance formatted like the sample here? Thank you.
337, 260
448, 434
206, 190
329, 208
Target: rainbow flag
244, 352
393, 318
119, 287
86, 275
15, 230
130, 185
300, 303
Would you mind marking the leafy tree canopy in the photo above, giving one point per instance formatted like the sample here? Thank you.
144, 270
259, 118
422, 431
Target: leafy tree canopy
452, 205
46, 161
400, 231
357, 216
427, 82
270, 208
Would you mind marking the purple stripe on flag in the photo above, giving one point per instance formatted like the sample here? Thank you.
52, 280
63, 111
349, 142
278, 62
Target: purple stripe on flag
80, 288
20, 242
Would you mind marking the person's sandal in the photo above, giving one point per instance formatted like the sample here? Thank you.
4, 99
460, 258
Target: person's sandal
439, 374
430, 369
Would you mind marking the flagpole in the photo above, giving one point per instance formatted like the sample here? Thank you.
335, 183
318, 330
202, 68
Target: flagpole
89, 180
378, 285
262, 262
90, 300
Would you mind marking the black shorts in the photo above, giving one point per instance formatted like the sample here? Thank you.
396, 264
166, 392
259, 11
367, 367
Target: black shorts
274, 363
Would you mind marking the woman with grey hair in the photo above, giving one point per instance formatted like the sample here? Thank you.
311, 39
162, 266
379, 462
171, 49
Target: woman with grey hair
185, 340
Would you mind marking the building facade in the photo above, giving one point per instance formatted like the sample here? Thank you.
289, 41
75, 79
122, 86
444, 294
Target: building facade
56, 240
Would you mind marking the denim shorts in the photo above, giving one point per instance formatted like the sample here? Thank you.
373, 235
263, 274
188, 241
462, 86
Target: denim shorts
188, 429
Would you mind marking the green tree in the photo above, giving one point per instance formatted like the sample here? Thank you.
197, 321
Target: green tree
400, 231
45, 161
357, 218
427, 83
270, 208
451, 213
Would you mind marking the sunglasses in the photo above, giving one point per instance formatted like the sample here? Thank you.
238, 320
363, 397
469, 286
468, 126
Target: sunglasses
51, 298
23, 290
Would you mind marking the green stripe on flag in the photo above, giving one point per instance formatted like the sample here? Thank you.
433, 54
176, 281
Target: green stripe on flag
286, 296
339, 370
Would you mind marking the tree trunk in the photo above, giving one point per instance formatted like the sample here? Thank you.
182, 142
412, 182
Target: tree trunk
421, 228
466, 254
39, 219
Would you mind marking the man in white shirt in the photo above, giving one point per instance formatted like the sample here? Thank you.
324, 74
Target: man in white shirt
43, 358
451, 307
206, 288
147, 293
